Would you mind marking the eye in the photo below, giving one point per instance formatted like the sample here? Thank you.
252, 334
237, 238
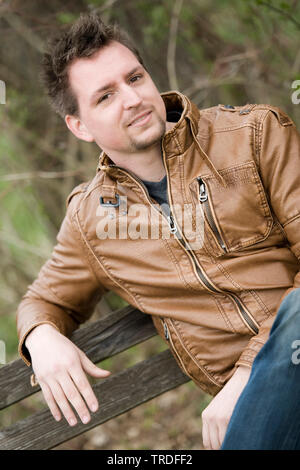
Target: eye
104, 98
136, 77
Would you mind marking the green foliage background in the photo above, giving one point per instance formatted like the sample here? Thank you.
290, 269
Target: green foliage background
226, 51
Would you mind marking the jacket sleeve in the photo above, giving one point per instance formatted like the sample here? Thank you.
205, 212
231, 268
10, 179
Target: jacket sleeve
66, 290
279, 165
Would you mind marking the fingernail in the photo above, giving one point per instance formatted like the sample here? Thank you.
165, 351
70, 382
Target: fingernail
72, 422
85, 419
94, 407
57, 417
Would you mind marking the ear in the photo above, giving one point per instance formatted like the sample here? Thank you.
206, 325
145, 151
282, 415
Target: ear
76, 126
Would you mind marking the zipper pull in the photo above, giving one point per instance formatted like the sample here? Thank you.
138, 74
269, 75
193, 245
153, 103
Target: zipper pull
173, 228
166, 331
203, 196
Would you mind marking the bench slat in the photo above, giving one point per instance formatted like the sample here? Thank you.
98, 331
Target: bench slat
99, 340
116, 394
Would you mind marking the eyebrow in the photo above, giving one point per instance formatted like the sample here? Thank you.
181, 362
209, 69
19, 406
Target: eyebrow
112, 84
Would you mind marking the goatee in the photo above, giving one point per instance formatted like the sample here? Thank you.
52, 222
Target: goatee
145, 143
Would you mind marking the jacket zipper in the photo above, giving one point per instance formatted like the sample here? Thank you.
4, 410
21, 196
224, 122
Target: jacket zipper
169, 218
248, 319
169, 339
204, 200
244, 314
174, 229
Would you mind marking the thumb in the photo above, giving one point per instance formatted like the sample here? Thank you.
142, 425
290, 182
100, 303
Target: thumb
91, 368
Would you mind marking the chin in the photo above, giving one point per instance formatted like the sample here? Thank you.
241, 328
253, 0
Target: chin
146, 144
150, 141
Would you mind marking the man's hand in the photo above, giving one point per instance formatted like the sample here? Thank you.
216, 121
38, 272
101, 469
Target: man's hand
59, 368
216, 416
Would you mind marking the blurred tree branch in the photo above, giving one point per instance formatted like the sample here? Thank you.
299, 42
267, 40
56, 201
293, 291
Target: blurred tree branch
107, 5
105, 10
280, 11
30, 37
7, 237
209, 82
5, 6
43, 174
171, 54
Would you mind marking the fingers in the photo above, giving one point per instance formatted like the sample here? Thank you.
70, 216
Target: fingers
50, 401
90, 367
61, 393
65, 385
205, 435
222, 431
62, 402
210, 435
72, 394
81, 382
214, 437
213, 429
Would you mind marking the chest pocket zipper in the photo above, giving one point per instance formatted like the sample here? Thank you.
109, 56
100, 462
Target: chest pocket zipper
204, 200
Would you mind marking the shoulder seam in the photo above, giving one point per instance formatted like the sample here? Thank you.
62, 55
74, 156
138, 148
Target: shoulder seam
80, 188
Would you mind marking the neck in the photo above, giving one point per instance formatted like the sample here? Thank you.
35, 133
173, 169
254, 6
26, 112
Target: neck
147, 165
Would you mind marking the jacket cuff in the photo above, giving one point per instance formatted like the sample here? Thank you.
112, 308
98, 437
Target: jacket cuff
250, 352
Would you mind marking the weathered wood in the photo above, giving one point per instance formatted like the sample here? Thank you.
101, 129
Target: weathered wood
117, 394
99, 340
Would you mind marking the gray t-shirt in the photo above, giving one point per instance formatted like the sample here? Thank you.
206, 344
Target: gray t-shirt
158, 191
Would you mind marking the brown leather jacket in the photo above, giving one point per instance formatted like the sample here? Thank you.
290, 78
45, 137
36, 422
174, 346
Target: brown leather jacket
213, 300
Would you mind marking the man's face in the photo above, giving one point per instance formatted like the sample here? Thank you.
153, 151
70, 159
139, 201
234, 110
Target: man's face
118, 102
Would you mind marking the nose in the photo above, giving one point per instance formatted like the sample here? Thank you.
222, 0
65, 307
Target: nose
131, 98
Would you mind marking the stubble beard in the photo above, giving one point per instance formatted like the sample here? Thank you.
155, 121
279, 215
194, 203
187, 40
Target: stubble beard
146, 143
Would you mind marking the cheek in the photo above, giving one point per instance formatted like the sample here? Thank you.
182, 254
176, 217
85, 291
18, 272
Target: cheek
161, 108
107, 136
106, 130
109, 139
163, 112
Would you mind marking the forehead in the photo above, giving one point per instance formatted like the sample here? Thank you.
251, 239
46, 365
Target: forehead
110, 63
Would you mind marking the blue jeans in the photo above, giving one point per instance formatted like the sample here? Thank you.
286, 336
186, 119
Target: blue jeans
267, 414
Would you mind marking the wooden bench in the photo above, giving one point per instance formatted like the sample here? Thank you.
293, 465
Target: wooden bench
117, 394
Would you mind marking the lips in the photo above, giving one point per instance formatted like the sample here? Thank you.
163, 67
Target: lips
140, 118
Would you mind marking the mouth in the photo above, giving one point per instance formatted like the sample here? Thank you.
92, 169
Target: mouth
141, 119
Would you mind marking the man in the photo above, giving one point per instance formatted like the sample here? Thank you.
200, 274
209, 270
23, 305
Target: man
213, 297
